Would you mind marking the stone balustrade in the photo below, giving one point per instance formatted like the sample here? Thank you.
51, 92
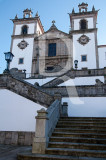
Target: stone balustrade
25, 89
75, 73
46, 121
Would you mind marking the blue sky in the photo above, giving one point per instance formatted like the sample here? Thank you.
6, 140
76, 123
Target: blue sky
48, 10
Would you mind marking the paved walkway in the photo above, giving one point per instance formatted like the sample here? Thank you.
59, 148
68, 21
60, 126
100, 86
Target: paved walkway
9, 152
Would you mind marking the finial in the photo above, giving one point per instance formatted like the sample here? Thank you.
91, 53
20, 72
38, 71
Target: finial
93, 8
16, 17
37, 14
73, 11
53, 22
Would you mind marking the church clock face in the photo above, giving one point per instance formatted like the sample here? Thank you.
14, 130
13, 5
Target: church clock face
23, 44
83, 40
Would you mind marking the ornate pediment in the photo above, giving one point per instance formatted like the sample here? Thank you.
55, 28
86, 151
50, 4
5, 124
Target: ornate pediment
23, 44
83, 40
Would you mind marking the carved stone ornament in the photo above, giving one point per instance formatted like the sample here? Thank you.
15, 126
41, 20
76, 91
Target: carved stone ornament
83, 40
23, 44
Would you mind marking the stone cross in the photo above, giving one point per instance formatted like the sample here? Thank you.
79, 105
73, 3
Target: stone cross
53, 22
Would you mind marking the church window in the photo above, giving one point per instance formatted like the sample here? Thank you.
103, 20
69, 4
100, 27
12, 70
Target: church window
50, 68
24, 30
21, 60
84, 68
84, 58
52, 49
83, 24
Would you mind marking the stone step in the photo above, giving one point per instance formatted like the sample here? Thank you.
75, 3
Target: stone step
84, 135
29, 156
73, 130
83, 118
78, 140
76, 152
82, 123
81, 126
77, 145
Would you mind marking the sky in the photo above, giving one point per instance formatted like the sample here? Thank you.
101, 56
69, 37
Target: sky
48, 10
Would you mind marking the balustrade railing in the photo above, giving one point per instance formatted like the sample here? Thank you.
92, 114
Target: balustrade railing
46, 121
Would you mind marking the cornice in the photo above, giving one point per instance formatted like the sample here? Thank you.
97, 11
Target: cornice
83, 31
24, 19
23, 36
80, 14
53, 58
101, 46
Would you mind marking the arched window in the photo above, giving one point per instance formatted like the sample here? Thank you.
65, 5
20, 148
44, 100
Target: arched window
83, 24
24, 30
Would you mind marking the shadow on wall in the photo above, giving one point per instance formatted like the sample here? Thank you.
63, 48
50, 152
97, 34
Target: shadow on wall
86, 107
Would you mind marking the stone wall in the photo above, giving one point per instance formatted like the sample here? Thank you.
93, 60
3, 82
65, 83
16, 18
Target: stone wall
16, 138
25, 89
97, 90
75, 73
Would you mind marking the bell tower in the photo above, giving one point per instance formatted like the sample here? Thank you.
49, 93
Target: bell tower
84, 35
22, 43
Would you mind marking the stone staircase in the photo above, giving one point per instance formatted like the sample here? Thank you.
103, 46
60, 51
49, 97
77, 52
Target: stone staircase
76, 138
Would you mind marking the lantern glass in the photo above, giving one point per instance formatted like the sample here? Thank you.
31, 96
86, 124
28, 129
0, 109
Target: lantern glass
8, 56
76, 63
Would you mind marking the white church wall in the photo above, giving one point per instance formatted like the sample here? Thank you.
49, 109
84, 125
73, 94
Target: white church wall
17, 113
40, 81
38, 29
77, 23
31, 28
86, 107
82, 81
102, 57
79, 50
25, 53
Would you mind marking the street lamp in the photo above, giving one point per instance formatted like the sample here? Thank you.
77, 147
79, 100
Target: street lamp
8, 57
76, 64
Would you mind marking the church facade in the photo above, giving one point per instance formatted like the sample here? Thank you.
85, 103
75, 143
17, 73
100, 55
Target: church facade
54, 52
46, 55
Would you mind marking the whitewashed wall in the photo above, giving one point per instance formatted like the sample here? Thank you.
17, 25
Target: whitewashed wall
31, 28
82, 81
88, 49
38, 29
102, 57
40, 81
17, 113
77, 23
85, 106
25, 53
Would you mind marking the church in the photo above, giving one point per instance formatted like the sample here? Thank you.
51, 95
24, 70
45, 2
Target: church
55, 74
54, 52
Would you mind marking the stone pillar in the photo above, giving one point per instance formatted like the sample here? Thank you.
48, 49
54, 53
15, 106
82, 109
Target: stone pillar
59, 97
104, 75
41, 138
65, 109
37, 66
104, 79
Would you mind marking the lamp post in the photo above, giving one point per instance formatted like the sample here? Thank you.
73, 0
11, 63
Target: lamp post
76, 64
8, 57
